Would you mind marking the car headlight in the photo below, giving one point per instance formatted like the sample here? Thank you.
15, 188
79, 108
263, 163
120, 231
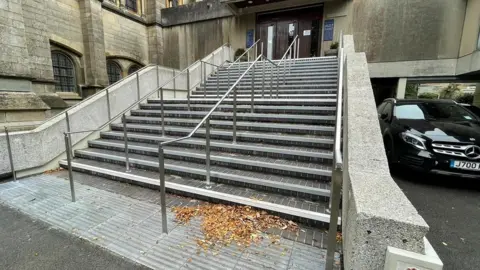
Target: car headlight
414, 140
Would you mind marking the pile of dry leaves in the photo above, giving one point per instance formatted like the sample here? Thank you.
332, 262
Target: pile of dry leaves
223, 224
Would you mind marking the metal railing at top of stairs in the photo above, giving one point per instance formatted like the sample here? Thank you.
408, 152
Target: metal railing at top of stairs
291, 53
254, 45
337, 172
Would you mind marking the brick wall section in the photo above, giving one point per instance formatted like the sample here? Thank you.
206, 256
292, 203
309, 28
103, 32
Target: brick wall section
125, 37
93, 40
14, 60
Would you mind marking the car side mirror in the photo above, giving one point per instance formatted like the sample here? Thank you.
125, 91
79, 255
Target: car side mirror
384, 116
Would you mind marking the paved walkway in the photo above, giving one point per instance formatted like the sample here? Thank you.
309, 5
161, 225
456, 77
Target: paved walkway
30, 244
132, 228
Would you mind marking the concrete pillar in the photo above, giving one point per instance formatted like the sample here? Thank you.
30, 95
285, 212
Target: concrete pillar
476, 98
15, 73
93, 40
401, 86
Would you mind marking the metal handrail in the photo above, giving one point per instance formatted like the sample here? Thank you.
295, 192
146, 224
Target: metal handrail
271, 75
206, 121
98, 93
338, 120
253, 45
289, 48
283, 59
337, 170
214, 107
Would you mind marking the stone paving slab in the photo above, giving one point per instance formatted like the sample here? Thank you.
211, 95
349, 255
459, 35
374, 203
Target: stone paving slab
132, 228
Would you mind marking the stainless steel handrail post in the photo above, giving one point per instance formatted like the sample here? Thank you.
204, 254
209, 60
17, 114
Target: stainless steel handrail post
162, 112
333, 226
108, 104
336, 185
207, 153
218, 83
163, 203
298, 48
67, 120
253, 87
188, 88
271, 80
204, 80
10, 156
234, 131
228, 78
158, 82
248, 56
174, 85
68, 152
125, 137
138, 87
201, 73
278, 78
284, 70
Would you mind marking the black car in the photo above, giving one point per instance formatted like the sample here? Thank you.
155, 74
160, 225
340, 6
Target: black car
437, 136
473, 109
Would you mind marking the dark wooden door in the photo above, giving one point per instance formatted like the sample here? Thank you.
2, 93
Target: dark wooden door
267, 35
286, 25
286, 32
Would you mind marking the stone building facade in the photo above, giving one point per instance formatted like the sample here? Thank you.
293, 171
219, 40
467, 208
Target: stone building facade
53, 53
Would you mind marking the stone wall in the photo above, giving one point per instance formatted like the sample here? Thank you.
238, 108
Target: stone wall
14, 58
471, 28
194, 12
376, 213
392, 30
125, 37
184, 44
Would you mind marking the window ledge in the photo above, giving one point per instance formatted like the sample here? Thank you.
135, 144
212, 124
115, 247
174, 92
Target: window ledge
123, 12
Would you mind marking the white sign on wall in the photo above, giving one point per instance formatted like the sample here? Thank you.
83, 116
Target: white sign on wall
306, 32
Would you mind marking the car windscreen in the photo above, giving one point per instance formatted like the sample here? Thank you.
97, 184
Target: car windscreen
432, 111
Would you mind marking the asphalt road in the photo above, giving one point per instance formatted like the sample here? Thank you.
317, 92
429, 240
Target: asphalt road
29, 244
451, 207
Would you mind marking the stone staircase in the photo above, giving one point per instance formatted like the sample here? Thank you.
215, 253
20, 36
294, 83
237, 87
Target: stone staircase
283, 156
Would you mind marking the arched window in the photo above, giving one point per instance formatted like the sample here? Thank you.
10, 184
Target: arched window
133, 69
114, 72
131, 5
63, 72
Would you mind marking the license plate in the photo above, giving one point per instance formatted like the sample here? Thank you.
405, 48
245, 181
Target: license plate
465, 165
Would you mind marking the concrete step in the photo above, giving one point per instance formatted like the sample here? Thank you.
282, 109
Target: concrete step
263, 166
268, 77
313, 213
268, 85
257, 101
241, 125
280, 96
259, 118
292, 64
314, 110
267, 92
318, 141
258, 75
318, 155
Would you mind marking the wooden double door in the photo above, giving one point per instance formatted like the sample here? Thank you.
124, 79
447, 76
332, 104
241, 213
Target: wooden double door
278, 30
